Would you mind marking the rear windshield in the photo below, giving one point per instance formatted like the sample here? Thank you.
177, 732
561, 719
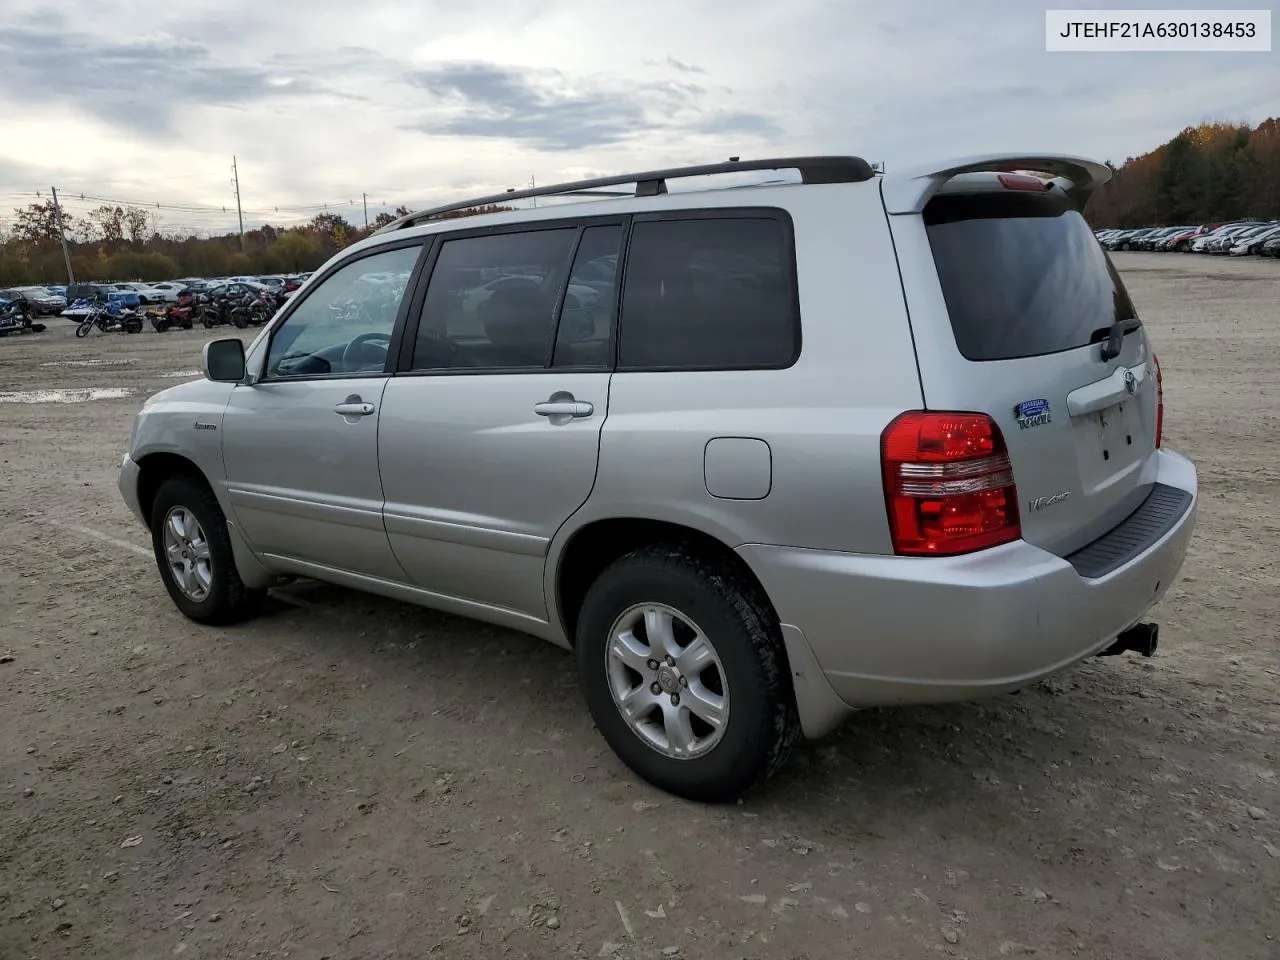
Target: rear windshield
1022, 274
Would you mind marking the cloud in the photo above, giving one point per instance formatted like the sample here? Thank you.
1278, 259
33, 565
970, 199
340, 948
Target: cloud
533, 107
684, 67
549, 111
139, 82
417, 101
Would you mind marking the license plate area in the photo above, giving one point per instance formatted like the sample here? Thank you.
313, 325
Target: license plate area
1107, 443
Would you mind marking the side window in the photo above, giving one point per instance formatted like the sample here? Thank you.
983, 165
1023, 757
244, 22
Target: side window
584, 336
344, 325
708, 293
491, 301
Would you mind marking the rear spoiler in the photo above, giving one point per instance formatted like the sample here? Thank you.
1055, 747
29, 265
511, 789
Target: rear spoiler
909, 190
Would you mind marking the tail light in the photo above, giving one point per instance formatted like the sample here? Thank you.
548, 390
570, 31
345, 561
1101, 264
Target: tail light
1159, 400
948, 484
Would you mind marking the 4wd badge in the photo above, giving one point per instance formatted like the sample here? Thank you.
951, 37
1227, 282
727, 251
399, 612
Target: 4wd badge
1032, 413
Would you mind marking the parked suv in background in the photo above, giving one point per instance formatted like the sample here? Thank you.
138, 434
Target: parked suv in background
759, 456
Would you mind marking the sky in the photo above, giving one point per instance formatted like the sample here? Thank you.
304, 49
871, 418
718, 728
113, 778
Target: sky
425, 101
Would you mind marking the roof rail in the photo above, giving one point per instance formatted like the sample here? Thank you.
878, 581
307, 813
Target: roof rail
654, 183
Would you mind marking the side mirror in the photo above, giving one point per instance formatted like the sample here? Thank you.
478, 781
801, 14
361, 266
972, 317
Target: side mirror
223, 360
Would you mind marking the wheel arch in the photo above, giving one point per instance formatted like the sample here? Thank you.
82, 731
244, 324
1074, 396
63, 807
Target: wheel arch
594, 545
588, 549
155, 468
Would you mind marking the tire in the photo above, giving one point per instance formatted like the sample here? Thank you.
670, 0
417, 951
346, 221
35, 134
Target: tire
747, 672
225, 599
84, 328
133, 325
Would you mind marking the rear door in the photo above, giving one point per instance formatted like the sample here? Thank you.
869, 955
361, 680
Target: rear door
1019, 313
490, 432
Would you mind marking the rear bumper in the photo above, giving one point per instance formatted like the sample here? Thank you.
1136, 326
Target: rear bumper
893, 630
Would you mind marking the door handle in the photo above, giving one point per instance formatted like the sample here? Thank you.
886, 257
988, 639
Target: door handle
353, 408
563, 408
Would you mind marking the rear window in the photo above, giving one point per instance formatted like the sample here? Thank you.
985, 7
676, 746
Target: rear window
1022, 274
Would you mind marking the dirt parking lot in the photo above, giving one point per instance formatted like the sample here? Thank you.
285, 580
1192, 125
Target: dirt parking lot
349, 777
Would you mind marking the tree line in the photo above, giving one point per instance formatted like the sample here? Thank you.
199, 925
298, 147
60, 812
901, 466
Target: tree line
120, 243
1206, 174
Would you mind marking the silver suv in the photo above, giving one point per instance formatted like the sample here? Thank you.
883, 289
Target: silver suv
760, 456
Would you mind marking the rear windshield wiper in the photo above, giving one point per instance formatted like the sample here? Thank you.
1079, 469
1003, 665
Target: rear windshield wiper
1112, 337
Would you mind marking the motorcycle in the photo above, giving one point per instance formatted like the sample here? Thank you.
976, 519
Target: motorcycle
212, 312
177, 314
233, 310
15, 317
109, 317
263, 308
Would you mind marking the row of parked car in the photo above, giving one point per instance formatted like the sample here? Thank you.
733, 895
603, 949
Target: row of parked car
56, 299
1239, 238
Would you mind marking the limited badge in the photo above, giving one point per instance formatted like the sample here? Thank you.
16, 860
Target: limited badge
1032, 413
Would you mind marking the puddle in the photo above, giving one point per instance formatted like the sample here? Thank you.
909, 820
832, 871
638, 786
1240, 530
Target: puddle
74, 395
182, 374
90, 363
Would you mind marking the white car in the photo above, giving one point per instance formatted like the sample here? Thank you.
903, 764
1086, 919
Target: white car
165, 292
1251, 241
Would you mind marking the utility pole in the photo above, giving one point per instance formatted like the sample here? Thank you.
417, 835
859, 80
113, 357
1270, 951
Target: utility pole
365, 197
235, 174
533, 186
62, 235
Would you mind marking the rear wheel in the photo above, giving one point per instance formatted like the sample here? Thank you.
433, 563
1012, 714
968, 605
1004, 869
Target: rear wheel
684, 672
193, 551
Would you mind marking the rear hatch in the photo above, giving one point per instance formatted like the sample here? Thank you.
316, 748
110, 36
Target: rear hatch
1029, 322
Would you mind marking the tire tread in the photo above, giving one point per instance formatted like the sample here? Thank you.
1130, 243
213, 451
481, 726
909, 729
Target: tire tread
233, 601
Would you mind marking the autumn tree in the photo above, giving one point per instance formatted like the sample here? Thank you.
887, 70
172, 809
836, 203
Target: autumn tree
38, 222
137, 223
106, 224
332, 229
297, 251
1205, 174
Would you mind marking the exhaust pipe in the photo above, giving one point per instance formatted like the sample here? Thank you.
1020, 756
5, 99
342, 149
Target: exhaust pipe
1140, 638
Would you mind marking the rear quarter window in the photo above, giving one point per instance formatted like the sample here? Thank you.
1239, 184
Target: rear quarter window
1022, 274
709, 292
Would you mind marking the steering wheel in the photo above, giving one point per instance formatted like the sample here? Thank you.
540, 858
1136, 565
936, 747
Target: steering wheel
357, 346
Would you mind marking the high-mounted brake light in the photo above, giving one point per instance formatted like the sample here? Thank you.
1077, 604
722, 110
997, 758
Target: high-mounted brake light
1159, 400
948, 484
1022, 181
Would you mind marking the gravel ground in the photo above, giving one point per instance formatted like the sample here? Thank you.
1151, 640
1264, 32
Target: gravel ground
349, 777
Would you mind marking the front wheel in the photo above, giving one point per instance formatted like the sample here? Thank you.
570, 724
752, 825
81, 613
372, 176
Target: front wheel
193, 551
84, 328
685, 674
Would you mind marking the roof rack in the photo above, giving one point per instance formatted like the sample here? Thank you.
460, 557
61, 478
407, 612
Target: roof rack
653, 183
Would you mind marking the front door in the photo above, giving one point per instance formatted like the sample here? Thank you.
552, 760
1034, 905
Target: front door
300, 445
490, 434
